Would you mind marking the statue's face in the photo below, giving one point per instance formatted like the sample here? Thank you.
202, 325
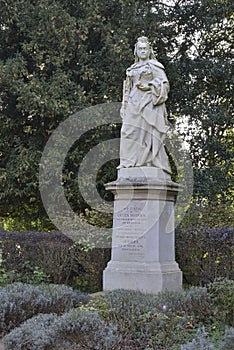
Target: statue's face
143, 51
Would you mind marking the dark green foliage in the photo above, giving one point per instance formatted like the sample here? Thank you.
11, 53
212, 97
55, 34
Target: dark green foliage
206, 215
205, 254
205, 83
163, 320
20, 302
38, 41
222, 295
60, 56
60, 259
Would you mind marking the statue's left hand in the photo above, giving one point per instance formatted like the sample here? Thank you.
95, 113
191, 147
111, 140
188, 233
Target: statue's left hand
143, 87
122, 111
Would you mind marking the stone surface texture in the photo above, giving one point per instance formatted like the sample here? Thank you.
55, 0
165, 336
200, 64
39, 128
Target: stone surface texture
143, 256
144, 114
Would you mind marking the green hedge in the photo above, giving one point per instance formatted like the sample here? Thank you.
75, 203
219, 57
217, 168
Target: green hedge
205, 254
32, 257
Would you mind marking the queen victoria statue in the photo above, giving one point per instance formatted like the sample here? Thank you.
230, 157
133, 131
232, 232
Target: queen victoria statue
143, 248
144, 114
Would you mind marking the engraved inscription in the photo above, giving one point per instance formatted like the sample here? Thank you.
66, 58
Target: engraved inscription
130, 225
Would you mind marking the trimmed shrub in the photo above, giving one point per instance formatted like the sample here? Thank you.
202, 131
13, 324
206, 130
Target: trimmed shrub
205, 254
34, 334
195, 301
54, 257
222, 296
201, 342
88, 329
77, 329
228, 341
163, 320
20, 302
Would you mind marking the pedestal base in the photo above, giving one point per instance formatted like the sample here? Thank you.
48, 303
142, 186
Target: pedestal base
143, 256
149, 278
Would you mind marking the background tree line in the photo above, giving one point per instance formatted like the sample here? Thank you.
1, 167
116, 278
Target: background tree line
60, 56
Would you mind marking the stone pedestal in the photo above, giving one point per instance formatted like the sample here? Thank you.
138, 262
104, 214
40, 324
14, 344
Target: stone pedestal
143, 248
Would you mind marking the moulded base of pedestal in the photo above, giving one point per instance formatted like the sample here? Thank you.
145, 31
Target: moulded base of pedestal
150, 277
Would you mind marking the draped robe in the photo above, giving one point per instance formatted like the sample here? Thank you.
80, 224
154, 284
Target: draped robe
144, 116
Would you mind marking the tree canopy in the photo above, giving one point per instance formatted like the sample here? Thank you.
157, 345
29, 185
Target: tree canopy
57, 57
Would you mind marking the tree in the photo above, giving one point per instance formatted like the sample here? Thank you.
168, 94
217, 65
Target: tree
57, 57
204, 59
38, 42
205, 55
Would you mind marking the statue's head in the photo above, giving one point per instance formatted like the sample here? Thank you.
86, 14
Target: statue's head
143, 44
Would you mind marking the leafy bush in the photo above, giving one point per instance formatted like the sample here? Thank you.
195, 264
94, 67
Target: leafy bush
228, 341
222, 296
205, 254
34, 276
195, 301
84, 329
164, 320
201, 342
34, 334
20, 302
35, 257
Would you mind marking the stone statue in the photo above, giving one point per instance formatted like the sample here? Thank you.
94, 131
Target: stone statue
144, 114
